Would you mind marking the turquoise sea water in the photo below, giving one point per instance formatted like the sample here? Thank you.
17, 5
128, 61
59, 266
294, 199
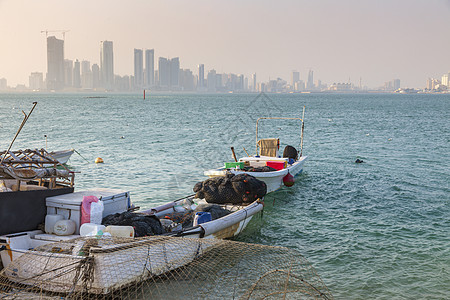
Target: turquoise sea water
377, 230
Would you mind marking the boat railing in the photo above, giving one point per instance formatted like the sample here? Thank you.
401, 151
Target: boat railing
283, 118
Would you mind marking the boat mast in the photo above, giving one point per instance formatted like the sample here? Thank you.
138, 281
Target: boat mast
25, 118
303, 128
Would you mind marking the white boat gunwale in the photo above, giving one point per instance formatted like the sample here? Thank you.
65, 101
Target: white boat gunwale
242, 215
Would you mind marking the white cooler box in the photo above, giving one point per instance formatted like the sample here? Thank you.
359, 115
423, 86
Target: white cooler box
69, 205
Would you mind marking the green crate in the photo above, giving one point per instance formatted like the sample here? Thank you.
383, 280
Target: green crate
233, 165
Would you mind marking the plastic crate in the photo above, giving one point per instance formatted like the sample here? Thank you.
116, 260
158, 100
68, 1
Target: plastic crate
233, 165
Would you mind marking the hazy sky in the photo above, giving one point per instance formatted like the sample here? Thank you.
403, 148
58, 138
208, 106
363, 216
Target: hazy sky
339, 39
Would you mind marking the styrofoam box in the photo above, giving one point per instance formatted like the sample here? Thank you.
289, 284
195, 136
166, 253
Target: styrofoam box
69, 205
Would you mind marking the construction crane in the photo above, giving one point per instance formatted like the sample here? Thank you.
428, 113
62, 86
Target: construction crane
62, 31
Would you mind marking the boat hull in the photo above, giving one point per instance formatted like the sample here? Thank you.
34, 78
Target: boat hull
273, 180
228, 226
108, 268
62, 156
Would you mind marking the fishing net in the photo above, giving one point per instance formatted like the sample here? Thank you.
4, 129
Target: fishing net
160, 268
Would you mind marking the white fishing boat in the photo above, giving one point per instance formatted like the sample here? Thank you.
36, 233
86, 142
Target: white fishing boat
160, 267
62, 155
234, 220
268, 164
176, 218
91, 260
100, 266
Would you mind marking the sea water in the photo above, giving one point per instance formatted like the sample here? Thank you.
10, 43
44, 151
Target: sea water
375, 230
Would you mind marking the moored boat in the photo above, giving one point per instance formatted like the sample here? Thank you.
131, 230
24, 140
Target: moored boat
62, 155
268, 165
233, 221
176, 218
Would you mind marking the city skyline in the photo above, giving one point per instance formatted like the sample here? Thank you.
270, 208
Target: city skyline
65, 75
373, 41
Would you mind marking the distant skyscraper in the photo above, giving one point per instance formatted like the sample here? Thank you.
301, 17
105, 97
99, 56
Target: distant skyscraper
36, 81
149, 68
68, 72
445, 80
107, 65
201, 76
295, 77
76, 74
55, 63
86, 75
163, 73
174, 72
186, 80
95, 76
396, 84
138, 69
310, 82
211, 81
254, 84
240, 83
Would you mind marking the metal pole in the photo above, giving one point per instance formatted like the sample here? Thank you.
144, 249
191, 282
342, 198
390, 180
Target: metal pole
20, 128
303, 128
234, 154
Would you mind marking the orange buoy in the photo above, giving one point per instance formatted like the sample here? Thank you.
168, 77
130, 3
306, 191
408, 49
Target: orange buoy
288, 180
98, 160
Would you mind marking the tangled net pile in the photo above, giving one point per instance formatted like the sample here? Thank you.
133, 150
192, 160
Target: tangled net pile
160, 268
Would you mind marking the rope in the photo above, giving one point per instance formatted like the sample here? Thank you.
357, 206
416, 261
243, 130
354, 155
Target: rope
81, 155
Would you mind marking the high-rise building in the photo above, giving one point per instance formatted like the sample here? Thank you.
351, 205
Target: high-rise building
310, 82
107, 65
55, 63
186, 80
201, 76
262, 87
86, 75
95, 76
163, 73
211, 81
138, 69
240, 83
174, 73
36, 81
254, 84
76, 74
445, 80
169, 73
149, 68
299, 85
396, 84
68, 72
295, 78
123, 84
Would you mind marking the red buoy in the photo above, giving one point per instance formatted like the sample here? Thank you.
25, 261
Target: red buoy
288, 180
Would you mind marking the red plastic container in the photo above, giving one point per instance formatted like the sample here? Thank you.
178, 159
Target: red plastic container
278, 165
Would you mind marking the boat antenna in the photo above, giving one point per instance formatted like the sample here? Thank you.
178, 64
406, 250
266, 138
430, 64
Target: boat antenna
303, 129
25, 118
